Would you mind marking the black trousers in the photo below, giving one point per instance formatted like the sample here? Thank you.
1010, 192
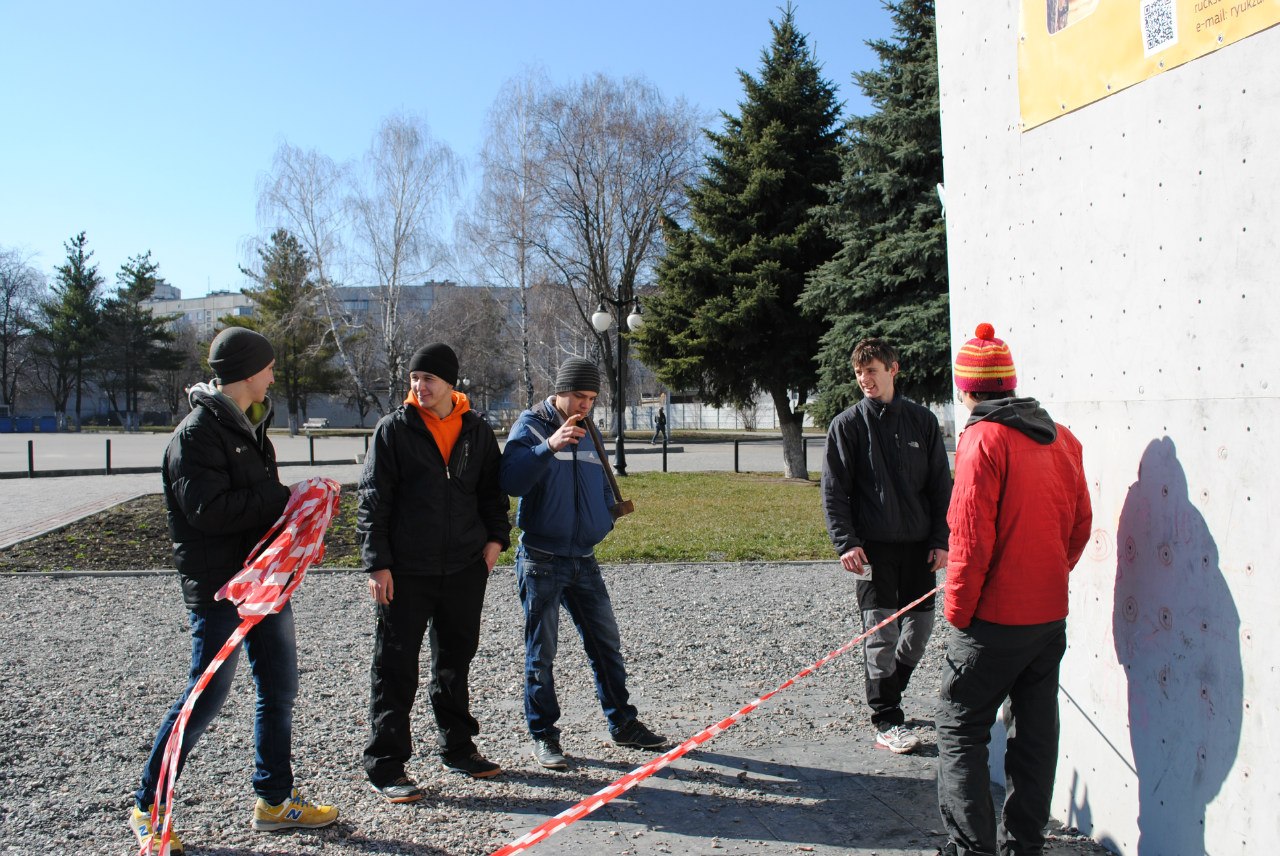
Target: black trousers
985, 664
900, 574
448, 607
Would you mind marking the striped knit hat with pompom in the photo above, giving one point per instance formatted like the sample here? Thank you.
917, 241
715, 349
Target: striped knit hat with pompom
984, 364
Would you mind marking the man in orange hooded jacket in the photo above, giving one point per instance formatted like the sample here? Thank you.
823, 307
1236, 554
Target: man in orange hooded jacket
432, 520
1020, 517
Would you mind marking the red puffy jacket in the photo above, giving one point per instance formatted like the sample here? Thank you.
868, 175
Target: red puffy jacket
1020, 518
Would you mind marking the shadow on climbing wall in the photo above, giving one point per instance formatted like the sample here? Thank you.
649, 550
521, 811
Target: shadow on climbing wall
1177, 634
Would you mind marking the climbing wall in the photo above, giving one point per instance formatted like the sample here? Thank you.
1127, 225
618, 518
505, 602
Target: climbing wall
1127, 252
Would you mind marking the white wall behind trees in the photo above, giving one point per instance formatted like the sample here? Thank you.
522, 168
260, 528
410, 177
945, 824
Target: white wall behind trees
1128, 254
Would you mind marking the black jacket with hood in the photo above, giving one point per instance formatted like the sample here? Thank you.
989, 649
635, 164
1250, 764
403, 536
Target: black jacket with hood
419, 515
221, 489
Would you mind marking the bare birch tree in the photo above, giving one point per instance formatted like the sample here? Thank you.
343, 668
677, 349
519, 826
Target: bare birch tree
508, 222
21, 288
615, 157
472, 321
407, 180
306, 192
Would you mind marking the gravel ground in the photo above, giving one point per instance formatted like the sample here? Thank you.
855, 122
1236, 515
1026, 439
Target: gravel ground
91, 663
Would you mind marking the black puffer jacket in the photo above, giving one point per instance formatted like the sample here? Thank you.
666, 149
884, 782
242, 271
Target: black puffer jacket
419, 516
222, 492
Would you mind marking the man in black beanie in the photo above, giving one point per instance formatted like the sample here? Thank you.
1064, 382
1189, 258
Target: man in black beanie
432, 520
566, 502
223, 493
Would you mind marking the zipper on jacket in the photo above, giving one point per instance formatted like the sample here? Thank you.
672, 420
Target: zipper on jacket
466, 454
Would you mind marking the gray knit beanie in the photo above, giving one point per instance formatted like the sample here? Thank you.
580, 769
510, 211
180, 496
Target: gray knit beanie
578, 375
238, 353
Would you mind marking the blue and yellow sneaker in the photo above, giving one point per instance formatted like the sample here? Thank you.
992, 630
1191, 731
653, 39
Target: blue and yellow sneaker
140, 823
295, 812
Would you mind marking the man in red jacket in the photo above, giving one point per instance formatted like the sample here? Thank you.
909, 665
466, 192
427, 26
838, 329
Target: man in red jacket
1019, 519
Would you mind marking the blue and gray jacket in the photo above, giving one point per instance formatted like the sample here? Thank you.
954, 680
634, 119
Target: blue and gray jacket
564, 496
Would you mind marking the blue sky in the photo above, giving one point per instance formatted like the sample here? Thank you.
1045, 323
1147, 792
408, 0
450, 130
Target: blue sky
148, 125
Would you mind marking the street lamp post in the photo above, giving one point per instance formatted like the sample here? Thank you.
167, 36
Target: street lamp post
601, 319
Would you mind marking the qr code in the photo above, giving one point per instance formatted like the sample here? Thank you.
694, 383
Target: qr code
1159, 26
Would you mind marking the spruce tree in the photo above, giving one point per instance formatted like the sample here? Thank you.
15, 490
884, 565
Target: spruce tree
135, 344
725, 319
889, 277
68, 327
287, 311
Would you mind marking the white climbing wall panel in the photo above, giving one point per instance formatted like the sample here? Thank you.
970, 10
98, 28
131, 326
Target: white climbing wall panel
1128, 254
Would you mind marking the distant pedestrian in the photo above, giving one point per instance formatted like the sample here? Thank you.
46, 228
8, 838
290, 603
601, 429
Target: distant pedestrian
885, 489
1020, 519
553, 464
432, 520
223, 493
659, 427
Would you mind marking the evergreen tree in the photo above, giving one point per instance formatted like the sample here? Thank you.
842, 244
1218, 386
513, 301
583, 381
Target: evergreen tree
68, 327
889, 277
725, 319
287, 311
135, 344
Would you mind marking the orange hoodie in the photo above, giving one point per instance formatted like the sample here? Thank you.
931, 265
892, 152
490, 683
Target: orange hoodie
446, 430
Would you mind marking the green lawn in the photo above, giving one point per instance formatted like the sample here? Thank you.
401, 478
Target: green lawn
707, 517
679, 517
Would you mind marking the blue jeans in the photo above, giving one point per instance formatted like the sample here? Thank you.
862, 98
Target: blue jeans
273, 657
544, 582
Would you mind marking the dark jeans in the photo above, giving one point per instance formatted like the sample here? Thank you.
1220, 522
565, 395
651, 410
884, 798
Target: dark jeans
449, 606
544, 582
900, 574
985, 664
273, 659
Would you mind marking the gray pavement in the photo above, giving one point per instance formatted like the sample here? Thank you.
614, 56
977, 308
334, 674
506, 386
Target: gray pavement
89, 451
31, 506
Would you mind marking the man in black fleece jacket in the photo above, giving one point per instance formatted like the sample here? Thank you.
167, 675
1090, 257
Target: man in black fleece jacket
432, 520
885, 490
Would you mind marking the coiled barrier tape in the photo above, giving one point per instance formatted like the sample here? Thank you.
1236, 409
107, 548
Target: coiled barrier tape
278, 564
630, 780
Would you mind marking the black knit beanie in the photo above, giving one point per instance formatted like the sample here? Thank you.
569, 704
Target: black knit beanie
578, 375
238, 353
437, 359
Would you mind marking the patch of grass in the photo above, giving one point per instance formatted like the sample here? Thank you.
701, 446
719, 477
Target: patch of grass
702, 517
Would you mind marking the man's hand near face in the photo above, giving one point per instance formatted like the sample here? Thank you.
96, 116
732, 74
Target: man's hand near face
567, 434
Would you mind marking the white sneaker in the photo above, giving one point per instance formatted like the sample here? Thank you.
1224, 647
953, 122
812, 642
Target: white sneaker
898, 739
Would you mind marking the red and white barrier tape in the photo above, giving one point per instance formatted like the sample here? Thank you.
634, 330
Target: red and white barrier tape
630, 780
276, 567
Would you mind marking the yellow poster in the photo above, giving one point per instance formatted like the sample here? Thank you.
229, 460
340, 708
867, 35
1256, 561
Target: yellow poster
1074, 52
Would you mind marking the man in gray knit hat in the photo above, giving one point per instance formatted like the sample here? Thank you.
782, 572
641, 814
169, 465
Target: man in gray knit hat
552, 463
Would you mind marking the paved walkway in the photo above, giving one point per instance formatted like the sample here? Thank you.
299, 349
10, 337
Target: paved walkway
31, 507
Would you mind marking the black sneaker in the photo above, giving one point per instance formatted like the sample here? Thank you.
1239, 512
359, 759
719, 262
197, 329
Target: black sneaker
636, 735
549, 754
472, 763
401, 790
